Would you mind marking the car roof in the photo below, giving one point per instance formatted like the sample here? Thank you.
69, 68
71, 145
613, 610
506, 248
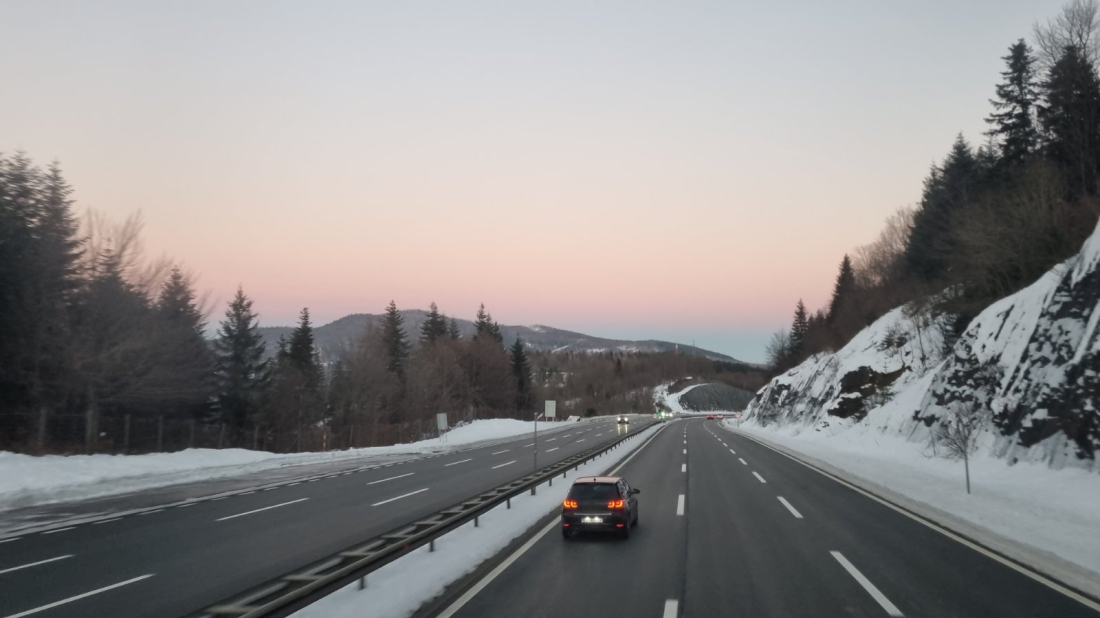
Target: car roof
598, 479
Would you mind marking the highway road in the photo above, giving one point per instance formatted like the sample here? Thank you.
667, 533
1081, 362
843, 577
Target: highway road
171, 561
730, 527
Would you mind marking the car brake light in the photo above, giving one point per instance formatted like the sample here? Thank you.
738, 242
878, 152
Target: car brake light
620, 525
569, 504
615, 504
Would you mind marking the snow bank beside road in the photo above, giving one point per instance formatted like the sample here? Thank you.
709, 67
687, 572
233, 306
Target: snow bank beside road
27, 480
1056, 512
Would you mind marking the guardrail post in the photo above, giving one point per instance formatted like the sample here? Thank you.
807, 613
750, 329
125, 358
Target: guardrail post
477, 524
509, 503
533, 490
362, 582
431, 546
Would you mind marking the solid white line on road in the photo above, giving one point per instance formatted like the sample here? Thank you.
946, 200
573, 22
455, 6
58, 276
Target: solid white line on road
247, 493
499, 452
151, 512
411, 493
399, 476
26, 566
672, 608
743, 462
683, 467
17, 538
59, 530
183, 506
789, 507
106, 521
78, 597
553, 449
455, 463
680, 505
867, 585
274, 506
758, 477
504, 464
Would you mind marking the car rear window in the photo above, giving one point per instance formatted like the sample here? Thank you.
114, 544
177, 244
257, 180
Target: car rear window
594, 491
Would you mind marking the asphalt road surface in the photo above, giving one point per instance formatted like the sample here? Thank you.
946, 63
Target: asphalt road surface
171, 561
731, 528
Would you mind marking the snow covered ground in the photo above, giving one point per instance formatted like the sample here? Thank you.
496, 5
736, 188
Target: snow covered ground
1051, 512
662, 396
399, 588
28, 480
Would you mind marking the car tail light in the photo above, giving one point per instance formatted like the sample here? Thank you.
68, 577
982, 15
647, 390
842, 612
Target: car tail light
570, 504
615, 504
620, 525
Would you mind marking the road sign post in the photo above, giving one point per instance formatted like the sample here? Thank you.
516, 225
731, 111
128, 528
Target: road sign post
441, 424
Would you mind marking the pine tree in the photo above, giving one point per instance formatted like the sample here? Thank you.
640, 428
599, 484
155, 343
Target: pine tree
182, 331
434, 327
947, 188
1071, 120
486, 326
393, 340
176, 303
242, 370
302, 354
452, 330
842, 290
799, 327
521, 370
1012, 124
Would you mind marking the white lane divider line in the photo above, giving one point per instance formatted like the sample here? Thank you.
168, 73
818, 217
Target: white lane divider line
78, 597
672, 608
683, 467
551, 440
106, 521
526, 445
411, 493
59, 530
758, 477
247, 493
271, 489
553, 449
579, 441
293, 484
32, 564
867, 585
504, 464
790, 508
266, 508
151, 512
733, 451
455, 463
685, 451
680, 505
399, 476
499, 452
17, 538
743, 462
216, 499
183, 506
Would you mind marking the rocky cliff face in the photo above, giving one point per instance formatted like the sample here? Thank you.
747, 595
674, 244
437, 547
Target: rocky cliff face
1030, 361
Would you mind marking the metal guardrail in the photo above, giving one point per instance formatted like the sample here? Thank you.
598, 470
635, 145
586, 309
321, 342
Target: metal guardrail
291, 592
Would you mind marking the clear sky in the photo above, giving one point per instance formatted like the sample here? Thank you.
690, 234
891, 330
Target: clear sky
680, 170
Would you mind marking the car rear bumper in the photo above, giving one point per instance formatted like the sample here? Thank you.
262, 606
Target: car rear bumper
610, 521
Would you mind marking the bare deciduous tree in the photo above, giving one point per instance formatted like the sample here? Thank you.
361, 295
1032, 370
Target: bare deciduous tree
1078, 26
959, 431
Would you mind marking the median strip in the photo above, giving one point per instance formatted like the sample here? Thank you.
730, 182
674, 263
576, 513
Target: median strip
266, 508
867, 585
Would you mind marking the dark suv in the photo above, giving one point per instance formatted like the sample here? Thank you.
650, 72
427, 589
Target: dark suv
600, 503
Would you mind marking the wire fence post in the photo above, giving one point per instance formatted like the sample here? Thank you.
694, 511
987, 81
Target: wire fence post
126, 435
160, 432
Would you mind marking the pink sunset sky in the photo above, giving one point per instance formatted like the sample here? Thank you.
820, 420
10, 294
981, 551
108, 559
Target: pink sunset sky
684, 171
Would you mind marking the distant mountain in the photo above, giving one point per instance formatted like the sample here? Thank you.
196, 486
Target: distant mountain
334, 336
